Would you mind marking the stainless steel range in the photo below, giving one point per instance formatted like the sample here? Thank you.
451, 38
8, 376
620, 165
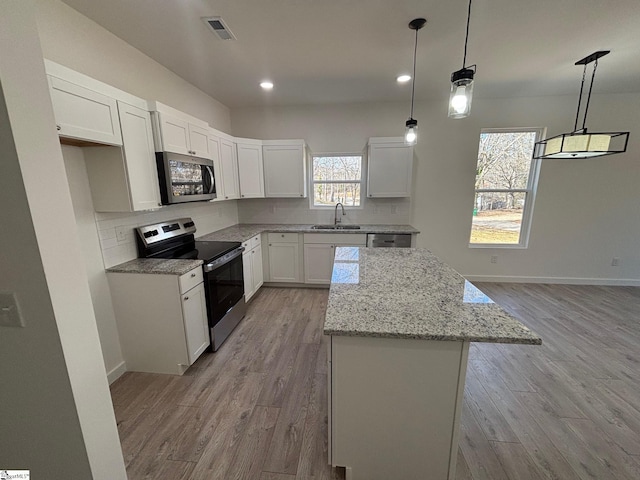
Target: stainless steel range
223, 275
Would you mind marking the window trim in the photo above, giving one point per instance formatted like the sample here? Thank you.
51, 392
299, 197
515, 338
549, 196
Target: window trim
311, 183
530, 191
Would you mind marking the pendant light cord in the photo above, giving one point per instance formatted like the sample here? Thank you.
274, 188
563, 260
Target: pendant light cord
466, 38
413, 84
586, 108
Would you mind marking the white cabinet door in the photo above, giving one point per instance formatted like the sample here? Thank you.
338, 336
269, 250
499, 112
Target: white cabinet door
214, 151
194, 310
174, 133
140, 160
199, 142
84, 114
247, 268
283, 262
318, 262
229, 169
256, 267
284, 171
250, 170
390, 169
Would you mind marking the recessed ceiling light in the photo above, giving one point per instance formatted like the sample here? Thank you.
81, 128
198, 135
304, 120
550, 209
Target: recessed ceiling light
403, 78
266, 85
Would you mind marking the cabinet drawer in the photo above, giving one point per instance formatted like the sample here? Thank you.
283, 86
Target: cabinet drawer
283, 238
190, 279
355, 239
255, 241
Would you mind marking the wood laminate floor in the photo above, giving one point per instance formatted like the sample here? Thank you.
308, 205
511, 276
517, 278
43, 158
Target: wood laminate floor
256, 409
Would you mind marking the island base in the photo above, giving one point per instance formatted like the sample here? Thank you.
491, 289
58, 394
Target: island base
394, 406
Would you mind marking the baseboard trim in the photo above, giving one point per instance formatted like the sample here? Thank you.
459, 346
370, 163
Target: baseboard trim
116, 372
622, 282
295, 285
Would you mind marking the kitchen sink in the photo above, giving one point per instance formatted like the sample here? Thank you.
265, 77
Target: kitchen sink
335, 227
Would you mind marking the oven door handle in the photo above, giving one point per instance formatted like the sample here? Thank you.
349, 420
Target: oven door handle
209, 267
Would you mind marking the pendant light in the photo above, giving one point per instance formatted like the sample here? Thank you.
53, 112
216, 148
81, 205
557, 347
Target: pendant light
411, 130
579, 143
462, 83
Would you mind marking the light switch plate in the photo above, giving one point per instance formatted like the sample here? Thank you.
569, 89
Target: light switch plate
121, 233
9, 311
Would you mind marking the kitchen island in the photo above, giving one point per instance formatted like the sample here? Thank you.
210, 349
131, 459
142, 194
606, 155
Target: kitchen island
400, 323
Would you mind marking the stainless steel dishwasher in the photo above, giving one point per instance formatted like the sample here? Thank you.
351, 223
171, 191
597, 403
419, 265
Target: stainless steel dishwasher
386, 240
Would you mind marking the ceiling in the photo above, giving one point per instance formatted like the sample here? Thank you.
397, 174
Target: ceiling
336, 51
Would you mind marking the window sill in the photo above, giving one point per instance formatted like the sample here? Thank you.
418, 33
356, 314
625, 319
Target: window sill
498, 246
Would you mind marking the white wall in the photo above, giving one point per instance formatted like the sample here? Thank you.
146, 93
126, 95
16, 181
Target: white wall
585, 213
71, 39
57, 417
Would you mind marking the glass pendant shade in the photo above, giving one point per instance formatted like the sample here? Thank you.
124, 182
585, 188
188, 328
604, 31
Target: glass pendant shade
411, 132
461, 93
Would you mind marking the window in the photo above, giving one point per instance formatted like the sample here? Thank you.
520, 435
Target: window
336, 178
506, 176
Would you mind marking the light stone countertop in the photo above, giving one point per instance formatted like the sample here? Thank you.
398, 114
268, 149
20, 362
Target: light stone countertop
410, 293
157, 265
243, 232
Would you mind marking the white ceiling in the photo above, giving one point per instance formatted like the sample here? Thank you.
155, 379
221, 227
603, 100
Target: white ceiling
326, 51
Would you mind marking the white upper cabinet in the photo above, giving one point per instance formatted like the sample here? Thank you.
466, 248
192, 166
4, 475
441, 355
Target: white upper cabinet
229, 170
178, 135
140, 160
199, 141
285, 167
390, 167
84, 114
125, 179
250, 168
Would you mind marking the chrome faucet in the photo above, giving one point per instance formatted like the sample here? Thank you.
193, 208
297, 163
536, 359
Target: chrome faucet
335, 217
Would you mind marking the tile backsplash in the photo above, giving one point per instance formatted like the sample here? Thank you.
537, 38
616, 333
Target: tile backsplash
116, 230
385, 211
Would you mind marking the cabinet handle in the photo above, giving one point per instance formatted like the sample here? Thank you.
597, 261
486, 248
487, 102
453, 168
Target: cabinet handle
226, 197
332, 246
282, 235
186, 298
193, 275
242, 195
58, 127
269, 244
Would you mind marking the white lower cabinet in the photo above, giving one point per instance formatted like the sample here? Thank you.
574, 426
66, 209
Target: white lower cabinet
252, 266
284, 258
318, 262
162, 319
319, 250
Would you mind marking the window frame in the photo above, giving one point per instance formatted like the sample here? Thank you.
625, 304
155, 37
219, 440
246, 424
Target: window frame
529, 191
311, 181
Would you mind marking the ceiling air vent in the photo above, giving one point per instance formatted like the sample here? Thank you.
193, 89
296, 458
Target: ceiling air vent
219, 28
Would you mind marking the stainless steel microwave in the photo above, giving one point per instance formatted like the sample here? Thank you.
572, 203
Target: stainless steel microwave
184, 178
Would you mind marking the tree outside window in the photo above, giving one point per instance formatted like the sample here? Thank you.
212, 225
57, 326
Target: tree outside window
506, 175
336, 178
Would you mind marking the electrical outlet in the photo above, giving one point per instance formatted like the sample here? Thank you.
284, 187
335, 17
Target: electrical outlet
494, 258
615, 262
9, 311
121, 233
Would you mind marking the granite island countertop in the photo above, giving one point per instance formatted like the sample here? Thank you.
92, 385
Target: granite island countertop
409, 293
243, 232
